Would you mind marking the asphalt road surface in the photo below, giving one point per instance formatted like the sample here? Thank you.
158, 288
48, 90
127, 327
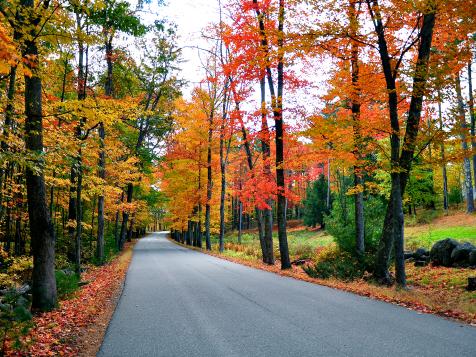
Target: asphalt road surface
179, 302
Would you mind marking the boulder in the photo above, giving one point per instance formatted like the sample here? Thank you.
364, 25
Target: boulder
471, 283
460, 254
421, 263
440, 253
420, 253
472, 258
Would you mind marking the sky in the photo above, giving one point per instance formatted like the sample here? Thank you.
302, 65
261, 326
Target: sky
191, 18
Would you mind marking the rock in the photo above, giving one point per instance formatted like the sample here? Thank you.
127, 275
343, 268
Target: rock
420, 253
22, 290
472, 258
421, 263
440, 253
299, 262
68, 272
460, 255
471, 283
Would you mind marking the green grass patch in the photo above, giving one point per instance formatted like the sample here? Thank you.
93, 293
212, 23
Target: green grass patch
427, 236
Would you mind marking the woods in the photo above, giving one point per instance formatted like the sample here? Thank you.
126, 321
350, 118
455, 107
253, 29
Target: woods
347, 119
83, 123
391, 99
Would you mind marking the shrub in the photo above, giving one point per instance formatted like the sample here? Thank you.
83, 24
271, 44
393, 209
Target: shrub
315, 204
67, 282
302, 251
455, 195
333, 263
14, 270
15, 316
340, 223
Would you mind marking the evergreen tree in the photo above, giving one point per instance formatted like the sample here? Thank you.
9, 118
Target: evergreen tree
315, 204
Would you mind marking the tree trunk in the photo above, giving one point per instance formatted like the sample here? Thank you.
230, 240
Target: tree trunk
468, 181
125, 217
108, 90
41, 229
8, 124
443, 159
222, 180
358, 178
279, 125
267, 213
102, 176
240, 220
79, 214
199, 224
392, 233
130, 230
472, 116
116, 223
209, 184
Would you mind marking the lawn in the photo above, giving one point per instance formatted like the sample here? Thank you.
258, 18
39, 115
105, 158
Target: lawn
303, 241
457, 225
433, 289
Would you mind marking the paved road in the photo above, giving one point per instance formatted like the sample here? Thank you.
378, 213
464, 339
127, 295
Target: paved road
178, 302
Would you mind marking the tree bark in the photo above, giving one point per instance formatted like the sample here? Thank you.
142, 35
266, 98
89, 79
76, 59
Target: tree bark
358, 178
209, 183
41, 228
267, 213
468, 181
125, 217
472, 116
108, 90
392, 233
443, 159
279, 125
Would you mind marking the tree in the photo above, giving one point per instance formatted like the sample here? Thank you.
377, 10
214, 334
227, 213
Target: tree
41, 228
401, 162
315, 204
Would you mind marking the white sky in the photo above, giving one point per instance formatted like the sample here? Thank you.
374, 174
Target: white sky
191, 18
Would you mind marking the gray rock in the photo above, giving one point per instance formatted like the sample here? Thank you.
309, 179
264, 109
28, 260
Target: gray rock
440, 253
420, 253
421, 263
460, 255
471, 283
472, 258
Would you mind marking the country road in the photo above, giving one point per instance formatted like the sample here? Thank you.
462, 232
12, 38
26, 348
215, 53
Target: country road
179, 302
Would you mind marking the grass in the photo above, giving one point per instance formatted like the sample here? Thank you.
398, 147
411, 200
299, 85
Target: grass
433, 289
302, 243
457, 225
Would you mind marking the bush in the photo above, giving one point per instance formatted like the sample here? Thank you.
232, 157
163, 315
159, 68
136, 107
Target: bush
315, 204
302, 251
340, 223
455, 195
14, 270
423, 217
15, 316
67, 282
333, 263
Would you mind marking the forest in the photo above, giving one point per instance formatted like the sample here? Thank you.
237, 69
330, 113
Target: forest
348, 119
